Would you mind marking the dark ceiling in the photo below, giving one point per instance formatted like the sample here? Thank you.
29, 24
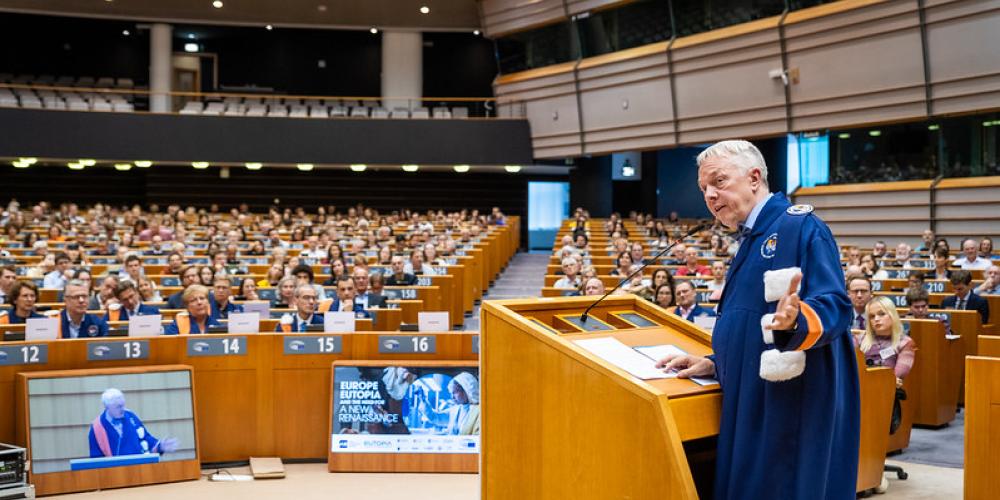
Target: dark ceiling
444, 15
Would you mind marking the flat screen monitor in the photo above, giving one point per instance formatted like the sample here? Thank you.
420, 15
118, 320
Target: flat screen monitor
402, 409
97, 421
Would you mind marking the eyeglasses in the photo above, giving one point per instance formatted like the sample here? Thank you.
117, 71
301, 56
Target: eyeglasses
80, 296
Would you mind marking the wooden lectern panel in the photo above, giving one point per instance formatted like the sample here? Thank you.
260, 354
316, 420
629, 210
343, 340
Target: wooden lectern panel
559, 422
989, 346
936, 374
878, 390
982, 428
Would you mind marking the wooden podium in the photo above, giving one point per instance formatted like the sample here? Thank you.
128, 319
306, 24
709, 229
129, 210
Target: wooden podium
560, 422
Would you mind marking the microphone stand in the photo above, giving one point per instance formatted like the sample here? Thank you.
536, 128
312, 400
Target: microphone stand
698, 227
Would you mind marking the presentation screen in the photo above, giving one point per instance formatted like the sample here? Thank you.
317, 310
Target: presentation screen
109, 420
405, 409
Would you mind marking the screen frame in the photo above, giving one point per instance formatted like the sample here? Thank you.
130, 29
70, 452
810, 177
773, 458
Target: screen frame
113, 477
397, 462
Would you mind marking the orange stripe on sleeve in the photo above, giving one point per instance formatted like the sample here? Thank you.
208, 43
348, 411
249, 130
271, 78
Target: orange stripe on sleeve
814, 324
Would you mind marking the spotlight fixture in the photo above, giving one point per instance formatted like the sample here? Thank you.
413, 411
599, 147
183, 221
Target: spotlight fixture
373, 31
125, 32
358, 167
29, 160
411, 168
512, 168
269, 27
200, 165
75, 165
217, 4
425, 10
461, 168
88, 162
20, 164
190, 47
123, 167
843, 135
254, 166
475, 32
932, 127
143, 163
874, 133
305, 167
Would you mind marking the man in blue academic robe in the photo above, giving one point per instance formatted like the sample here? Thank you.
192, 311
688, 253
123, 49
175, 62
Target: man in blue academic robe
790, 418
117, 431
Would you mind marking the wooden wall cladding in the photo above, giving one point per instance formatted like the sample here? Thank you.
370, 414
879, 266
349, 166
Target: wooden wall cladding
850, 63
500, 17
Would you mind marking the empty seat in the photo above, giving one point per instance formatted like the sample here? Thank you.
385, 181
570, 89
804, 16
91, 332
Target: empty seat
54, 102
214, 108
45, 79
232, 99
441, 112
380, 113
399, 113
338, 111
257, 110
359, 112
105, 82
124, 83
299, 112
277, 110
123, 107
101, 105
235, 109
370, 103
420, 113
351, 104
64, 81
6, 77
77, 105
318, 112
85, 81
8, 100
191, 108
460, 112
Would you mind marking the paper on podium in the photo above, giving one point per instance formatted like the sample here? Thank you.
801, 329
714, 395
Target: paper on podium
613, 351
658, 352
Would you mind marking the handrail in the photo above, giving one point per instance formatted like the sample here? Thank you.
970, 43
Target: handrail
210, 95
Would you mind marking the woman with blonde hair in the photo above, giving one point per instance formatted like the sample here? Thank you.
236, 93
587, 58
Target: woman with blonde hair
883, 342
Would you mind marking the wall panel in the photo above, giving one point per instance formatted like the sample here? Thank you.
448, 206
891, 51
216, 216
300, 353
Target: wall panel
962, 41
500, 17
857, 66
549, 101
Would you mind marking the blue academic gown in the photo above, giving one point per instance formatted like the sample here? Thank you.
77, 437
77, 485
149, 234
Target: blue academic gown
129, 443
796, 439
14, 319
173, 329
218, 313
91, 326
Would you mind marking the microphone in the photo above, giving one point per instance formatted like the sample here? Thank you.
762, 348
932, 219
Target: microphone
698, 227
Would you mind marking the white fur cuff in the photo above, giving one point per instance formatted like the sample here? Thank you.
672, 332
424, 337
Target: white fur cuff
765, 333
776, 282
777, 366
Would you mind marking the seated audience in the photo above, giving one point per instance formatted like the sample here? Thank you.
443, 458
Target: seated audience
970, 260
660, 277
687, 305
941, 259
399, 276
883, 342
304, 274
964, 298
148, 291
8, 276
345, 302
129, 303
986, 248
623, 265
859, 290
990, 285
417, 266
305, 311
248, 290
132, 269
718, 280
691, 266
902, 256
870, 267
74, 320
665, 296
222, 305
285, 298
571, 278
919, 301
22, 296
189, 277
593, 286
60, 274
364, 295
927, 242
198, 315
677, 256
637, 254
878, 250
105, 293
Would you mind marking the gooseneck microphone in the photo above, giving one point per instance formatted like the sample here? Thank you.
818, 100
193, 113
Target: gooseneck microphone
695, 229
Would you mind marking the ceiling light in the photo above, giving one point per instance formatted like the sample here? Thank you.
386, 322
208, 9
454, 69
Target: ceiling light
425, 10
123, 167
373, 31
200, 165
844, 135
512, 168
190, 36
411, 168
28, 160
475, 32
125, 32
254, 166
934, 127
359, 167
461, 168
217, 4
305, 167
190, 47
75, 165
269, 27
143, 163
20, 164
88, 163
874, 133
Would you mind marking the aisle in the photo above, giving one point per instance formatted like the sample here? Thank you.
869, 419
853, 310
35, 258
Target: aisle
523, 277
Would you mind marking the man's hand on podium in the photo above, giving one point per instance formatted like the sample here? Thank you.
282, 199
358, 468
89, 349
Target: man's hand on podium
687, 366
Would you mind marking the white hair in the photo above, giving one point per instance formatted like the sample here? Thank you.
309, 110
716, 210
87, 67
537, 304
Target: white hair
111, 396
568, 261
741, 154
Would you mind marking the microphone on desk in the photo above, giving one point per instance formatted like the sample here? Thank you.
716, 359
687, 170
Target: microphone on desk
698, 227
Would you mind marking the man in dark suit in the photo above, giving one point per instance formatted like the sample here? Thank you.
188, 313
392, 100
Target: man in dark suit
965, 299
399, 277
365, 297
687, 304
347, 298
